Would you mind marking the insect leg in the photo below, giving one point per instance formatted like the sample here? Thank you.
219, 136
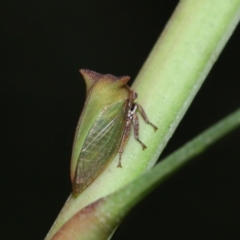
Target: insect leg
124, 141
136, 130
144, 115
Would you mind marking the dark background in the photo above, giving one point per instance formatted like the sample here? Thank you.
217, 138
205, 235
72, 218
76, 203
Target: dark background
44, 43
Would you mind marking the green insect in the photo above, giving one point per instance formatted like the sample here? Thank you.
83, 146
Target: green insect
104, 126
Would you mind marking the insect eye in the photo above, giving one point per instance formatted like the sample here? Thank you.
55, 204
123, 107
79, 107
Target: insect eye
134, 94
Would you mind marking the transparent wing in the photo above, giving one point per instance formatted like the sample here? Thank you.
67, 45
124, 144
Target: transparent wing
100, 145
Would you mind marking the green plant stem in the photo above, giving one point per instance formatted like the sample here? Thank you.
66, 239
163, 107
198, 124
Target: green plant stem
170, 78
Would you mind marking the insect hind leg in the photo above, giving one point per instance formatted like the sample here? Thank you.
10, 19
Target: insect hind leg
124, 142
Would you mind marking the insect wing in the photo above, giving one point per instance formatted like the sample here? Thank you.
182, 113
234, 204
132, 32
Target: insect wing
100, 145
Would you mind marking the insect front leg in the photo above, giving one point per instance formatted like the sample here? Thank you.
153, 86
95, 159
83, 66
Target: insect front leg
144, 115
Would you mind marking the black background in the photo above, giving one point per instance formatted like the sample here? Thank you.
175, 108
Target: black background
44, 43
